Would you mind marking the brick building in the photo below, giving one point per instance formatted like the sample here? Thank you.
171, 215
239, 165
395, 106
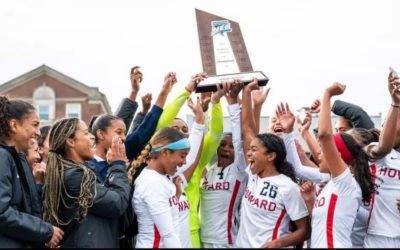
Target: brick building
56, 95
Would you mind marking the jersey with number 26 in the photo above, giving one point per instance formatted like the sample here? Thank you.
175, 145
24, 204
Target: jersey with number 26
268, 205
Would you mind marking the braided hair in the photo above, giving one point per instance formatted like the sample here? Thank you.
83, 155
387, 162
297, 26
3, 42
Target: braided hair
161, 138
56, 165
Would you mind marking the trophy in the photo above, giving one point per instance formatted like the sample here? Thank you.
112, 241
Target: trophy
223, 53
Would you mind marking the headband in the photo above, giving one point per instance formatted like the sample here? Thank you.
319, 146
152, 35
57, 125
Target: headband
178, 145
343, 149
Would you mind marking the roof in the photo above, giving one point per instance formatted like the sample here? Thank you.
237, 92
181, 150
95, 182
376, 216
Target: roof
92, 92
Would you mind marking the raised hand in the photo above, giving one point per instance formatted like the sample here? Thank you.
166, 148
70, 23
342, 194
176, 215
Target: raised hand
233, 93
252, 86
394, 88
195, 80
197, 110
285, 117
259, 96
315, 106
222, 89
146, 102
136, 78
169, 81
205, 100
305, 124
336, 89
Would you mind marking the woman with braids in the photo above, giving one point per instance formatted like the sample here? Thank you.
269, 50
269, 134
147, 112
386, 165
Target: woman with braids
155, 200
335, 208
272, 198
21, 225
74, 197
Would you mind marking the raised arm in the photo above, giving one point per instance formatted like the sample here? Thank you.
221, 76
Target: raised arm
248, 124
127, 108
286, 119
136, 141
173, 108
331, 154
146, 104
387, 138
195, 139
258, 96
312, 144
234, 114
169, 82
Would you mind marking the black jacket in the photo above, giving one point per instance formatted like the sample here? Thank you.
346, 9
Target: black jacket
20, 205
358, 117
100, 228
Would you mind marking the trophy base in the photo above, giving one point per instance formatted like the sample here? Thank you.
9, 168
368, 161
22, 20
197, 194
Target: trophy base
210, 83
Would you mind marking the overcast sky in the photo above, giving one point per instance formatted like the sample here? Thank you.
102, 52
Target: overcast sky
302, 46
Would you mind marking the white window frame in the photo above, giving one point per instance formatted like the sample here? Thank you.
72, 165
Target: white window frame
49, 111
50, 102
68, 107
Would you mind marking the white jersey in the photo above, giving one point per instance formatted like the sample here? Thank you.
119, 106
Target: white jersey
184, 217
220, 196
221, 192
335, 211
361, 224
267, 207
385, 217
156, 207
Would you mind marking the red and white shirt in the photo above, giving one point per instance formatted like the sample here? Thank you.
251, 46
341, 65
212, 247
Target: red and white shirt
385, 217
156, 207
184, 225
267, 207
335, 211
221, 192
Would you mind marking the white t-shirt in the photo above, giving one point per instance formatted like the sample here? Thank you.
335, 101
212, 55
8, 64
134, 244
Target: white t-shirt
335, 211
385, 217
267, 207
222, 190
156, 206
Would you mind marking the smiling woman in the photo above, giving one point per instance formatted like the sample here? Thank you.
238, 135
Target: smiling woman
155, 197
20, 207
74, 197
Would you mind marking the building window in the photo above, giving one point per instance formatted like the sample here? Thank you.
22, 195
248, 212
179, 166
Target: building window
73, 110
44, 99
44, 112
